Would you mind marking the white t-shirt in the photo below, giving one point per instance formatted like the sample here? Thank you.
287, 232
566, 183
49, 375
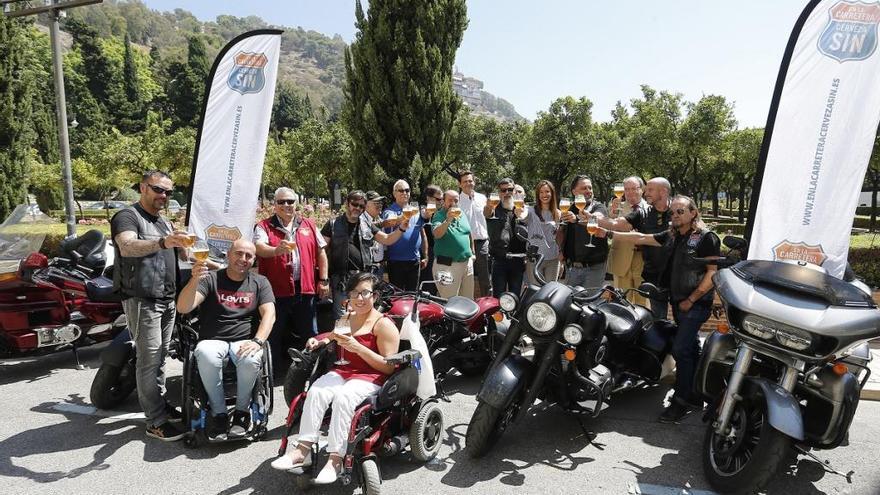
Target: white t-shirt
473, 210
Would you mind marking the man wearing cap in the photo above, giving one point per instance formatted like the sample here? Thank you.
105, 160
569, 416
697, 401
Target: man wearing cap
375, 201
292, 257
472, 204
407, 256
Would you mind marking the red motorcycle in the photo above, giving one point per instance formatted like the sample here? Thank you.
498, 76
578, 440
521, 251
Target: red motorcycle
461, 333
48, 306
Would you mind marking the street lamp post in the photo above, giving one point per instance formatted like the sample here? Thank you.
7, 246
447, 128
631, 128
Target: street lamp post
20, 8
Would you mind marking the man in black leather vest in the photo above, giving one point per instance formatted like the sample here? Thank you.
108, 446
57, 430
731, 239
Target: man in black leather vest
350, 239
146, 275
690, 293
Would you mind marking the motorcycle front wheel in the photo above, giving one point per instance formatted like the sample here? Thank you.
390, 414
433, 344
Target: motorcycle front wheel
112, 385
745, 460
487, 425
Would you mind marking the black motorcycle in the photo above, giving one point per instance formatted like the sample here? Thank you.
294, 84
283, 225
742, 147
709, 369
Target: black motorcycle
569, 346
786, 372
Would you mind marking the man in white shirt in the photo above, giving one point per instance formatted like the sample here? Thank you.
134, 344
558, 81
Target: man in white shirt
472, 203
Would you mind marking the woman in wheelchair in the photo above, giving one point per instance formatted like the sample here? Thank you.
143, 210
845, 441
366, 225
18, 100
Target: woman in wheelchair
229, 300
358, 374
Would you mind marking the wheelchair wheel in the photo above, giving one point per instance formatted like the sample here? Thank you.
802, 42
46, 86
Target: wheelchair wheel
426, 432
371, 479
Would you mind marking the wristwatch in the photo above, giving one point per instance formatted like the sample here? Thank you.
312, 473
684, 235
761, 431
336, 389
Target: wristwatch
162, 243
258, 341
323, 281
400, 229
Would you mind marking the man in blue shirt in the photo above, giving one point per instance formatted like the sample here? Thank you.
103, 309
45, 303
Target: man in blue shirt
406, 257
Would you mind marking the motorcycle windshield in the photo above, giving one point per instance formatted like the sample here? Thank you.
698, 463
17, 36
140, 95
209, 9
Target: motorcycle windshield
19, 236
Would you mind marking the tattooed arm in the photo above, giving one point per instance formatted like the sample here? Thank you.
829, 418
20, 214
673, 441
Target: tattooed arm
132, 247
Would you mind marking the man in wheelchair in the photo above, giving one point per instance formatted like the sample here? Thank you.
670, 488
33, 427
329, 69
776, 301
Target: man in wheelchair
357, 375
229, 300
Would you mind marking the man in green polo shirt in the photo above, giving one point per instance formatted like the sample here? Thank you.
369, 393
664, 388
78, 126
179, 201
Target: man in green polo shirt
453, 248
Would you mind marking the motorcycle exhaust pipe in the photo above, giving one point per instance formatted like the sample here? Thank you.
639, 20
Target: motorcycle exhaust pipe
550, 355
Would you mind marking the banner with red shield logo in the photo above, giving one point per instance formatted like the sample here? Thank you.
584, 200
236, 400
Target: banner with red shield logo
232, 137
819, 136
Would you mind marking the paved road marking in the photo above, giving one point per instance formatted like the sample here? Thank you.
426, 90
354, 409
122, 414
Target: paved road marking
93, 411
647, 489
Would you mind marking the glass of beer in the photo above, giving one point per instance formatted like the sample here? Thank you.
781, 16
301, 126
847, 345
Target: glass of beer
564, 204
618, 189
431, 208
455, 212
289, 244
343, 327
580, 201
200, 251
519, 201
494, 200
592, 229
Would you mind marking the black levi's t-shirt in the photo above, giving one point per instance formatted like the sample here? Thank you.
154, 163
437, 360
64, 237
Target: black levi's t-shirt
230, 307
651, 221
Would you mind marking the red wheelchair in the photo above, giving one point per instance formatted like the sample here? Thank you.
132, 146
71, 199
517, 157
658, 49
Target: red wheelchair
383, 424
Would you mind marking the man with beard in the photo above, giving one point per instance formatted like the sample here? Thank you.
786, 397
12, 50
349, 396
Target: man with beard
507, 272
584, 265
653, 220
350, 238
146, 275
293, 259
374, 214
691, 291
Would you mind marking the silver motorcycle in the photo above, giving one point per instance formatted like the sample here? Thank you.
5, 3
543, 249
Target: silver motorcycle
786, 372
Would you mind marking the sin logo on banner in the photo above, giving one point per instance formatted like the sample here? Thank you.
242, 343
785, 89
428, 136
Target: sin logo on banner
247, 74
851, 32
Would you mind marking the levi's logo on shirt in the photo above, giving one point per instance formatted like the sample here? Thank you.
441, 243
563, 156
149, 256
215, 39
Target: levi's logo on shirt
235, 299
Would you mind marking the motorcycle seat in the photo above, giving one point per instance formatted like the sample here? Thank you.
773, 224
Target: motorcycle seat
101, 290
621, 323
460, 308
87, 249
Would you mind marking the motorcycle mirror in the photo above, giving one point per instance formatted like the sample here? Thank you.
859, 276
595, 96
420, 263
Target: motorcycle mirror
651, 291
733, 242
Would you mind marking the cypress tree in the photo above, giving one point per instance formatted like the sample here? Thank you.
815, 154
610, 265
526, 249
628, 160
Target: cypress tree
130, 110
399, 97
16, 93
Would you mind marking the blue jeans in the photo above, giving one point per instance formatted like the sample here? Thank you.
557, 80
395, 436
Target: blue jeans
507, 275
686, 351
150, 323
211, 356
592, 277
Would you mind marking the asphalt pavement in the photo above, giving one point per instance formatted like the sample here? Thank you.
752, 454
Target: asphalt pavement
53, 441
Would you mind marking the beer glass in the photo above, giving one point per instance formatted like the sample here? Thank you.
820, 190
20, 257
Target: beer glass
494, 200
618, 189
455, 212
200, 251
431, 208
580, 201
592, 229
343, 327
519, 201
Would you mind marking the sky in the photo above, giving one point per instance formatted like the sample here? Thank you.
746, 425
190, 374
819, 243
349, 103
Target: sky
531, 52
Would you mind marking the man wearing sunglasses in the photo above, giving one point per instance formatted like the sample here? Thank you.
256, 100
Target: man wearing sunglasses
691, 294
292, 257
585, 256
146, 274
507, 272
350, 238
409, 254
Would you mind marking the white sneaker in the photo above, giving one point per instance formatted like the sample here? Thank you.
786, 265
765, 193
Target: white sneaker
328, 475
285, 463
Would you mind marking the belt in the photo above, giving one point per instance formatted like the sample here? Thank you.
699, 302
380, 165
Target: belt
578, 264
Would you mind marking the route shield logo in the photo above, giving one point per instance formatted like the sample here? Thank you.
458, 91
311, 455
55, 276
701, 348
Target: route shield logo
221, 237
851, 32
247, 76
799, 251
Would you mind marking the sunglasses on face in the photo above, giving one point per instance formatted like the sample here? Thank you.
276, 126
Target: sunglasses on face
680, 211
439, 198
364, 294
359, 206
285, 202
506, 189
405, 191
161, 190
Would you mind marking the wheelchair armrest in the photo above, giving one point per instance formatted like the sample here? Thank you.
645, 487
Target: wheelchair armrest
403, 357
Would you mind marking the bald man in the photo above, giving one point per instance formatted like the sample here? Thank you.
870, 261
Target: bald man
229, 301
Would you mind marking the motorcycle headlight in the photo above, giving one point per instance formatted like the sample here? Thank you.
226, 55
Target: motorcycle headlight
573, 334
508, 302
794, 338
541, 317
759, 327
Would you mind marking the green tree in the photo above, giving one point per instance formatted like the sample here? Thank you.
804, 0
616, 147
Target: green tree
399, 97
290, 109
745, 150
708, 121
483, 145
131, 109
186, 87
16, 95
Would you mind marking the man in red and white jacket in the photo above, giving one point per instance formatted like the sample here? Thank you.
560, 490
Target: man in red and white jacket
292, 257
